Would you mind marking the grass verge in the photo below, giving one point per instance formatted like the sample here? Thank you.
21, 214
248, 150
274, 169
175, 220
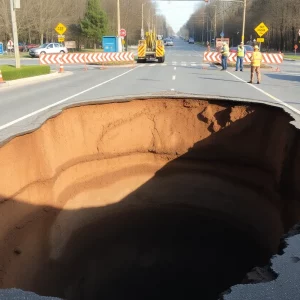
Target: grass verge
11, 73
12, 55
295, 57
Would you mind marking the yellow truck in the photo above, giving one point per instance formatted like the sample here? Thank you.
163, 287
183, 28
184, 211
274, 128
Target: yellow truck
151, 48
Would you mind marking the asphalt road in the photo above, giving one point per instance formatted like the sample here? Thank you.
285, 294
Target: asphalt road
182, 72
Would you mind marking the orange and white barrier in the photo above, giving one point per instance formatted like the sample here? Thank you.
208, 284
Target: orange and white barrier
268, 58
85, 58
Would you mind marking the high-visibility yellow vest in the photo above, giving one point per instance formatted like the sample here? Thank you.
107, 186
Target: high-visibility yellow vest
225, 50
241, 52
256, 59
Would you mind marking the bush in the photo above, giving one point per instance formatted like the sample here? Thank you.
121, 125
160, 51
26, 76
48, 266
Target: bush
11, 73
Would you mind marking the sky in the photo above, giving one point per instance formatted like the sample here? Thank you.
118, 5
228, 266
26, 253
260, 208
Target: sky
177, 12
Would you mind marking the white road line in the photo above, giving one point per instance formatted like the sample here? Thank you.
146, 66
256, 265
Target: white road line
174, 62
152, 65
172, 90
267, 94
194, 65
62, 101
174, 77
175, 68
164, 65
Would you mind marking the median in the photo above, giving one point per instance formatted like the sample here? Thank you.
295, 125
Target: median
11, 73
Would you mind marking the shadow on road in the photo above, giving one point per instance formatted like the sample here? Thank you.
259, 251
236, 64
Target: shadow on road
284, 77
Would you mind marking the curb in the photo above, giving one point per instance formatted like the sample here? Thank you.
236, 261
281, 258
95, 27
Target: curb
35, 79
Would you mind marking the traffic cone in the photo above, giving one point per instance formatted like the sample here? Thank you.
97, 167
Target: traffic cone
61, 68
1, 78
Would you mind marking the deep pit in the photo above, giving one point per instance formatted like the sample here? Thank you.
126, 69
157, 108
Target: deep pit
147, 199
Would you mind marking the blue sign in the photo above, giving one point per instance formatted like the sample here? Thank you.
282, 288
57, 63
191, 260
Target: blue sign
222, 34
1, 48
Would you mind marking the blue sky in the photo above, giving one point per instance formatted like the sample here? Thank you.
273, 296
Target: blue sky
177, 12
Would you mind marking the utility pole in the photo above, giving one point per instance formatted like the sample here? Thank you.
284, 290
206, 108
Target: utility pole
244, 21
13, 5
119, 17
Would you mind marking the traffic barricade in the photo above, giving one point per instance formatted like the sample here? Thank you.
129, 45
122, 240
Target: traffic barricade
85, 58
267, 58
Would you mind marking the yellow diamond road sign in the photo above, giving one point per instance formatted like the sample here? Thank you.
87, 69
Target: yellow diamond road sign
60, 28
261, 29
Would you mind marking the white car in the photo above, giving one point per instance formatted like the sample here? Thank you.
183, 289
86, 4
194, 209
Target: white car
169, 42
49, 48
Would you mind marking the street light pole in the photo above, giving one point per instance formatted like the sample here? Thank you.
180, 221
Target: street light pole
15, 34
119, 17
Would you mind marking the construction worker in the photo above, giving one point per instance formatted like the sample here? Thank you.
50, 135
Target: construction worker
256, 59
241, 52
225, 53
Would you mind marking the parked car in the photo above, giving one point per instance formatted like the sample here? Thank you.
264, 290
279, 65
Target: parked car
48, 48
169, 42
191, 41
30, 46
249, 49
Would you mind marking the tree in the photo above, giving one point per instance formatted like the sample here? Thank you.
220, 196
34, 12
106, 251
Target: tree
94, 24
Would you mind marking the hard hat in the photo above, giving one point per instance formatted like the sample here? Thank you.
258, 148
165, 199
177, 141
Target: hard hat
224, 44
256, 47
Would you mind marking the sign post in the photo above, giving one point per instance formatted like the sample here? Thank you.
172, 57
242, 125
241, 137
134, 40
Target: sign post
261, 29
60, 29
122, 32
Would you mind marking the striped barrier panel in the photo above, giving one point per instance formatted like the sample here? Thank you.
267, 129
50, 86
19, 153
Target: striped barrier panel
268, 58
85, 58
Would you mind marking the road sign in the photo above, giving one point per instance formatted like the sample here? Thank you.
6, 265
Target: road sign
70, 44
260, 40
296, 47
60, 28
123, 32
261, 29
60, 40
10, 45
1, 48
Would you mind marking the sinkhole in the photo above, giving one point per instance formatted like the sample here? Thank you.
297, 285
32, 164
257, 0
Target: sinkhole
147, 199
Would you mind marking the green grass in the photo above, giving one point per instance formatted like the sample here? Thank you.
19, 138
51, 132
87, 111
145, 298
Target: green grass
12, 55
11, 73
295, 57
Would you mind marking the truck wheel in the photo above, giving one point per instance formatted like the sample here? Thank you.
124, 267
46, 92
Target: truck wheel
160, 59
163, 59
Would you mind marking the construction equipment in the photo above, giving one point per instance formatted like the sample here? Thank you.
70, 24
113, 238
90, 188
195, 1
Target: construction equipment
151, 48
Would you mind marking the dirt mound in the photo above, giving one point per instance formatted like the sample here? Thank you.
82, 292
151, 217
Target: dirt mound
102, 199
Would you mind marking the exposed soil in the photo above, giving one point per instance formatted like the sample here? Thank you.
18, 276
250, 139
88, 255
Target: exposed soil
147, 199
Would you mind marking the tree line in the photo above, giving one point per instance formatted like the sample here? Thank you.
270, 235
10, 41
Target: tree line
281, 17
87, 20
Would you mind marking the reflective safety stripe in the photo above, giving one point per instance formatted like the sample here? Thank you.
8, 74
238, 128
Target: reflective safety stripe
241, 52
159, 51
142, 51
256, 59
225, 51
